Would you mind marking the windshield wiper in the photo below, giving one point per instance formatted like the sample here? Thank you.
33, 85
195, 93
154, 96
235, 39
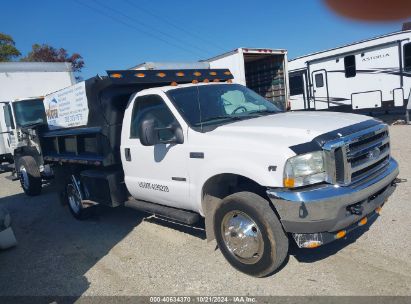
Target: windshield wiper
263, 112
228, 117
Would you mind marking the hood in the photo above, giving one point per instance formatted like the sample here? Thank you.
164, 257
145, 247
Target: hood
290, 128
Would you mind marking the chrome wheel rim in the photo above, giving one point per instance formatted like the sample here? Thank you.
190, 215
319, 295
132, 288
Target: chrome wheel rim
24, 177
242, 237
73, 199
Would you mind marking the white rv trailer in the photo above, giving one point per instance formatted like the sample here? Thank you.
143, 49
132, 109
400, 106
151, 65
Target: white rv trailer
370, 76
20, 80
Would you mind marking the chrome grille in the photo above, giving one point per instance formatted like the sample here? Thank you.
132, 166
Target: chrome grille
358, 156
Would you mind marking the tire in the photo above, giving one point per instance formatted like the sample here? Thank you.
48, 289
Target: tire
77, 209
29, 175
265, 246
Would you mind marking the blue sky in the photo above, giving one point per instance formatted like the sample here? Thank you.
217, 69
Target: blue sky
120, 34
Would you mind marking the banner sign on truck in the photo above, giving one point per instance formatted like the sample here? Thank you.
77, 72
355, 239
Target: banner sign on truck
67, 108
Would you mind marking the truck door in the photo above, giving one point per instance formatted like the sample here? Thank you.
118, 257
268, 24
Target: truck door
158, 173
320, 90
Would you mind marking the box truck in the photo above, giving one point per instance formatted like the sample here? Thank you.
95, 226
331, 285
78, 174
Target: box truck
190, 144
19, 80
262, 70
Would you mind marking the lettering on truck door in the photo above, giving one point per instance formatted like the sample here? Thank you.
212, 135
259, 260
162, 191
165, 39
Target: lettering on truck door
156, 173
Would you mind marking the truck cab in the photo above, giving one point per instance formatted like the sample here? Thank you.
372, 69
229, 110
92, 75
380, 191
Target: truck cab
185, 144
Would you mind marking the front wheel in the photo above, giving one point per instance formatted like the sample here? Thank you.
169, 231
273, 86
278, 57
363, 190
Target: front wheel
29, 175
249, 234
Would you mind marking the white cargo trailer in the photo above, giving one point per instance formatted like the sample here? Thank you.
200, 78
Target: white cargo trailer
262, 70
369, 76
20, 80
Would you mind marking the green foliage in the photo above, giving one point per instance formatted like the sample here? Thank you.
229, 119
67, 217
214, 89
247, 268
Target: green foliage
8, 51
47, 53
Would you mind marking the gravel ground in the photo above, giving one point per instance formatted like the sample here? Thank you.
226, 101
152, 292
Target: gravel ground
123, 252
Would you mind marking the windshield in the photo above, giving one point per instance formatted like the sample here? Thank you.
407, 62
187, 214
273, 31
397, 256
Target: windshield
218, 104
29, 112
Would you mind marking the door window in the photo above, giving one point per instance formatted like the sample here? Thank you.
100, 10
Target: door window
319, 80
8, 118
152, 106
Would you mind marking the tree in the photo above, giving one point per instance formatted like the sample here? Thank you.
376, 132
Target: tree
8, 51
47, 53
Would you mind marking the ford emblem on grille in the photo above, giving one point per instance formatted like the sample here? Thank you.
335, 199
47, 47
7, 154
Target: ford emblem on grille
374, 153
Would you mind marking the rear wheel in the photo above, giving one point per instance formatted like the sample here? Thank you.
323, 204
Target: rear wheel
74, 202
29, 175
249, 234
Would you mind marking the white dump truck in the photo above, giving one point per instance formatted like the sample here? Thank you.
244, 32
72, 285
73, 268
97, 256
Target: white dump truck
25, 80
189, 144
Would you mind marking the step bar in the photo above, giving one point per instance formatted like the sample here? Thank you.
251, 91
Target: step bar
182, 216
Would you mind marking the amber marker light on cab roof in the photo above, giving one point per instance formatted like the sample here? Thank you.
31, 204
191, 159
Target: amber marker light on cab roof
197, 74
341, 234
116, 75
161, 75
180, 74
213, 73
140, 75
227, 73
363, 222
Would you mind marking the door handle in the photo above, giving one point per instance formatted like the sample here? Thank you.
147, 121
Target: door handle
127, 154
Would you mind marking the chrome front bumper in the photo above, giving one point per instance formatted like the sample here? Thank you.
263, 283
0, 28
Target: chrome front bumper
328, 208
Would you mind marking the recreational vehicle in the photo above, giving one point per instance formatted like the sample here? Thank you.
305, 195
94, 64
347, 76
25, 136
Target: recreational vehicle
370, 76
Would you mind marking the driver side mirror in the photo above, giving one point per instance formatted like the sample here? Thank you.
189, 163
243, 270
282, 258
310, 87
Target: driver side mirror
150, 133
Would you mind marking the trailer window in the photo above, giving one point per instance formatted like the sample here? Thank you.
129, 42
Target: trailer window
407, 57
296, 84
154, 106
349, 66
319, 80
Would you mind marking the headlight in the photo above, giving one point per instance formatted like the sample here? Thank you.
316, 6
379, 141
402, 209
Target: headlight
306, 169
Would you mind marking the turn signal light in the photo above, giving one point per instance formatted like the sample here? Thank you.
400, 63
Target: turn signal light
289, 182
312, 244
363, 222
340, 234
116, 75
140, 75
378, 210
